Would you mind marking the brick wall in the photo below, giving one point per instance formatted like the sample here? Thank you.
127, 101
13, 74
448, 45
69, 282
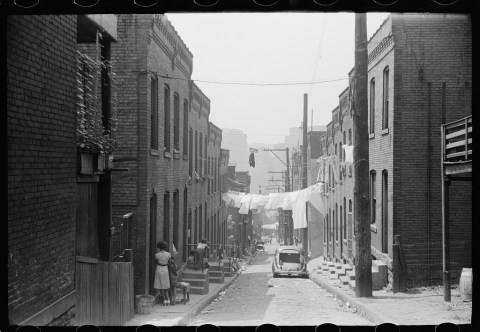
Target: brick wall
423, 59
145, 50
41, 123
381, 57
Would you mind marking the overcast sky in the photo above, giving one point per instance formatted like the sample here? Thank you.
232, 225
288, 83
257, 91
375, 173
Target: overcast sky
271, 48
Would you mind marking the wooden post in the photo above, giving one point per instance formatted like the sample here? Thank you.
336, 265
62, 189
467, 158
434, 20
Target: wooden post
363, 268
304, 166
446, 236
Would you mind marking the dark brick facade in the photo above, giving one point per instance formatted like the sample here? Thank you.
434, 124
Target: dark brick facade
149, 50
429, 77
41, 124
154, 66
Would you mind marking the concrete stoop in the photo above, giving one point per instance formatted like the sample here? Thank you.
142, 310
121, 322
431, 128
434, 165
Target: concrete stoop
216, 274
199, 282
346, 273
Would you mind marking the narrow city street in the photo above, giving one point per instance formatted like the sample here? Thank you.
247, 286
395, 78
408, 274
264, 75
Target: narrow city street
256, 298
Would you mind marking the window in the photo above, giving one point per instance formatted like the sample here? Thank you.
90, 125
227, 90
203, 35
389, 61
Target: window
373, 196
344, 143
385, 98
185, 127
344, 218
196, 151
185, 225
166, 217
341, 223
206, 146
176, 217
325, 230
372, 106
176, 122
154, 113
337, 228
350, 211
166, 107
201, 155
385, 211
349, 136
190, 153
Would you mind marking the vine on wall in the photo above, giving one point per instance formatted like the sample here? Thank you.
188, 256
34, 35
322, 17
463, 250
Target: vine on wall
92, 135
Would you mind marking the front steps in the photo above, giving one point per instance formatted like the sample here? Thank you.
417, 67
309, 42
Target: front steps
216, 274
199, 282
346, 273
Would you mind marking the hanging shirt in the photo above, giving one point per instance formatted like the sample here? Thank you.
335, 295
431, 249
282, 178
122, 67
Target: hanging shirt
348, 153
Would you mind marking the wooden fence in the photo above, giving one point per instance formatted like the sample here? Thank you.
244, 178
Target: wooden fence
104, 292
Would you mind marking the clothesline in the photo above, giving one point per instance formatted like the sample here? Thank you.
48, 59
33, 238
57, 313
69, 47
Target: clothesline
294, 201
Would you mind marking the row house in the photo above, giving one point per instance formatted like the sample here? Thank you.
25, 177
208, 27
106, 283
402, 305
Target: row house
60, 143
167, 146
224, 160
153, 126
418, 79
215, 227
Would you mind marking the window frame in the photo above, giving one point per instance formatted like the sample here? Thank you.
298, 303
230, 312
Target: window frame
386, 97
372, 107
166, 110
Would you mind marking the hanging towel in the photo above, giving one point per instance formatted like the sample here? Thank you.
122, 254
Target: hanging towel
348, 153
299, 210
289, 198
245, 204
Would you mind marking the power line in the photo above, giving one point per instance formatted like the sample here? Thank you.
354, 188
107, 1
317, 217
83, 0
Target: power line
253, 83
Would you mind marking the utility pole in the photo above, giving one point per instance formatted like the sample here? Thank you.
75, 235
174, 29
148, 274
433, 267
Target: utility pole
288, 188
304, 167
363, 262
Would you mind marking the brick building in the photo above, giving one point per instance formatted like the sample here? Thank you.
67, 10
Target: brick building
170, 148
417, 80
215, 226
46, 233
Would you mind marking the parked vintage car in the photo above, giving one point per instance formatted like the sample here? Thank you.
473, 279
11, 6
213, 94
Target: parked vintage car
260, 245
290, 261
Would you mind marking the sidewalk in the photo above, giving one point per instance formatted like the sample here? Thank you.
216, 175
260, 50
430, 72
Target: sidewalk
182, 314
420, 306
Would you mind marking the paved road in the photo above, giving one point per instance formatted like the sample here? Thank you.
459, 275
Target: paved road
256, 298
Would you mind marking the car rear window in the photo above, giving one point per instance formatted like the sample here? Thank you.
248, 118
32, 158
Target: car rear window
289, 257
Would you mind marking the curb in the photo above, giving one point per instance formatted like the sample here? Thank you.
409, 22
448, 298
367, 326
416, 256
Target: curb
208, 300
362, 308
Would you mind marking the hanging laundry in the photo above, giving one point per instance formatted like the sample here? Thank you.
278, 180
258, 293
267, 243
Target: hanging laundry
348, 153
251, 160
226, 198
336, 167
316, 198
245, 204
256, 200
238, 201
289, 199
299, 209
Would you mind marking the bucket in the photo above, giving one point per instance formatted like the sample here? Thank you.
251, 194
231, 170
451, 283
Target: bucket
466, 279
143, 304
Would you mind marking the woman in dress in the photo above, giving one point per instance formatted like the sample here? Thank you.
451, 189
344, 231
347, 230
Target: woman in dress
162, 277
